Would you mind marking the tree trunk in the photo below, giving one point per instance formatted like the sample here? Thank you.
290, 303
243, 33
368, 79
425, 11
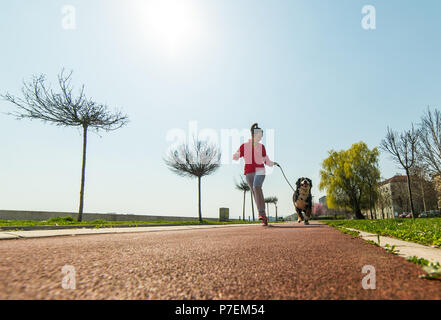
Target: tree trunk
414, 215
276, 213
358, 214
83, 174
243, 211
252, 205
199, 199
370, 206
422, 194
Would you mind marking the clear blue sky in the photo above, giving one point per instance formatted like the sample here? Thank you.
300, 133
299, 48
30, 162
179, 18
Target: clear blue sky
306, 69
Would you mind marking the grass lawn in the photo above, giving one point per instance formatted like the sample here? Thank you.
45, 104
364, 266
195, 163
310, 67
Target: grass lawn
69, 221
421, 230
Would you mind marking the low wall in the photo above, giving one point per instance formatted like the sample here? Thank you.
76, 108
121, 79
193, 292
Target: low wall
45, 215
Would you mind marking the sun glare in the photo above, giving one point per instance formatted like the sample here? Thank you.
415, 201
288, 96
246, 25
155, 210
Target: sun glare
172, 24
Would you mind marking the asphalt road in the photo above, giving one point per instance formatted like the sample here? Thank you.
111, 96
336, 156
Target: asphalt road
287, 261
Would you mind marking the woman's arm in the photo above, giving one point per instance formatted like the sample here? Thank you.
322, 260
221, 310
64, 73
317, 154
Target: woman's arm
268, 162
239, 153
266, 159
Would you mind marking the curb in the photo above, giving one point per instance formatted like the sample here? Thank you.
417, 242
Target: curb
14, 235
86, 226
405, 248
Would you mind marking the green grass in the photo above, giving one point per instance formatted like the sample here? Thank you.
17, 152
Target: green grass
391, 249
425, 231
433, 270
69, 221
418, 261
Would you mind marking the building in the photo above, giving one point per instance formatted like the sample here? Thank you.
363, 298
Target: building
437, 186
323, 201
393, 198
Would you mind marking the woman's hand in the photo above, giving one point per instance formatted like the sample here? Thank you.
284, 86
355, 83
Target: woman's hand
270, 163
236, 156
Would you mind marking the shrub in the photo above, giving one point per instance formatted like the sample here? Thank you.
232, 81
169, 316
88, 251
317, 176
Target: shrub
61, 220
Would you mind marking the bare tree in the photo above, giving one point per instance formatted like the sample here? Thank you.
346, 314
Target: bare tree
195, 161
403, 148
424, 186
243, 186
64, 108
420, 177
430, 138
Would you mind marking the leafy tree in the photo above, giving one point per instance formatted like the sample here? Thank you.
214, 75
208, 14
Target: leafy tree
243, 186
274, 201
348, 177
195, 161
372, 179
271, 200
64, 108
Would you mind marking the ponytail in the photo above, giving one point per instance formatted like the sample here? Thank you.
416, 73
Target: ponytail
254, 127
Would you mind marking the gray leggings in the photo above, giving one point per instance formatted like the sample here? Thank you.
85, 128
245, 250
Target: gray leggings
255, 181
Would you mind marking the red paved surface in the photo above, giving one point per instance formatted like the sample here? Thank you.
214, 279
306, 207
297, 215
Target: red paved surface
250, 262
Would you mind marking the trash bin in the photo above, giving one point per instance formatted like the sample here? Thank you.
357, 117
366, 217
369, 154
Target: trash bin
224, 214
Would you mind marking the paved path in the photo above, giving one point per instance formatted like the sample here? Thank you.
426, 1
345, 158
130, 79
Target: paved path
249, 262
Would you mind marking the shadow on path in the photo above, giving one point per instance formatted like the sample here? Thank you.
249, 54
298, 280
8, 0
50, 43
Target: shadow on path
297, 227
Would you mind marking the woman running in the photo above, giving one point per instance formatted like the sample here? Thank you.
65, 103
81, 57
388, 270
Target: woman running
255, 157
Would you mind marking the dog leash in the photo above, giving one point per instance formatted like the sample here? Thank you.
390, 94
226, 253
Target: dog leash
284, 176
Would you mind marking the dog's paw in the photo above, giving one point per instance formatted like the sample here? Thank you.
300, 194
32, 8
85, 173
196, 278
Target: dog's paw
306, 222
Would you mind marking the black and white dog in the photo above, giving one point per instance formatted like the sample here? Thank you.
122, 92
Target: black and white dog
302, 199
